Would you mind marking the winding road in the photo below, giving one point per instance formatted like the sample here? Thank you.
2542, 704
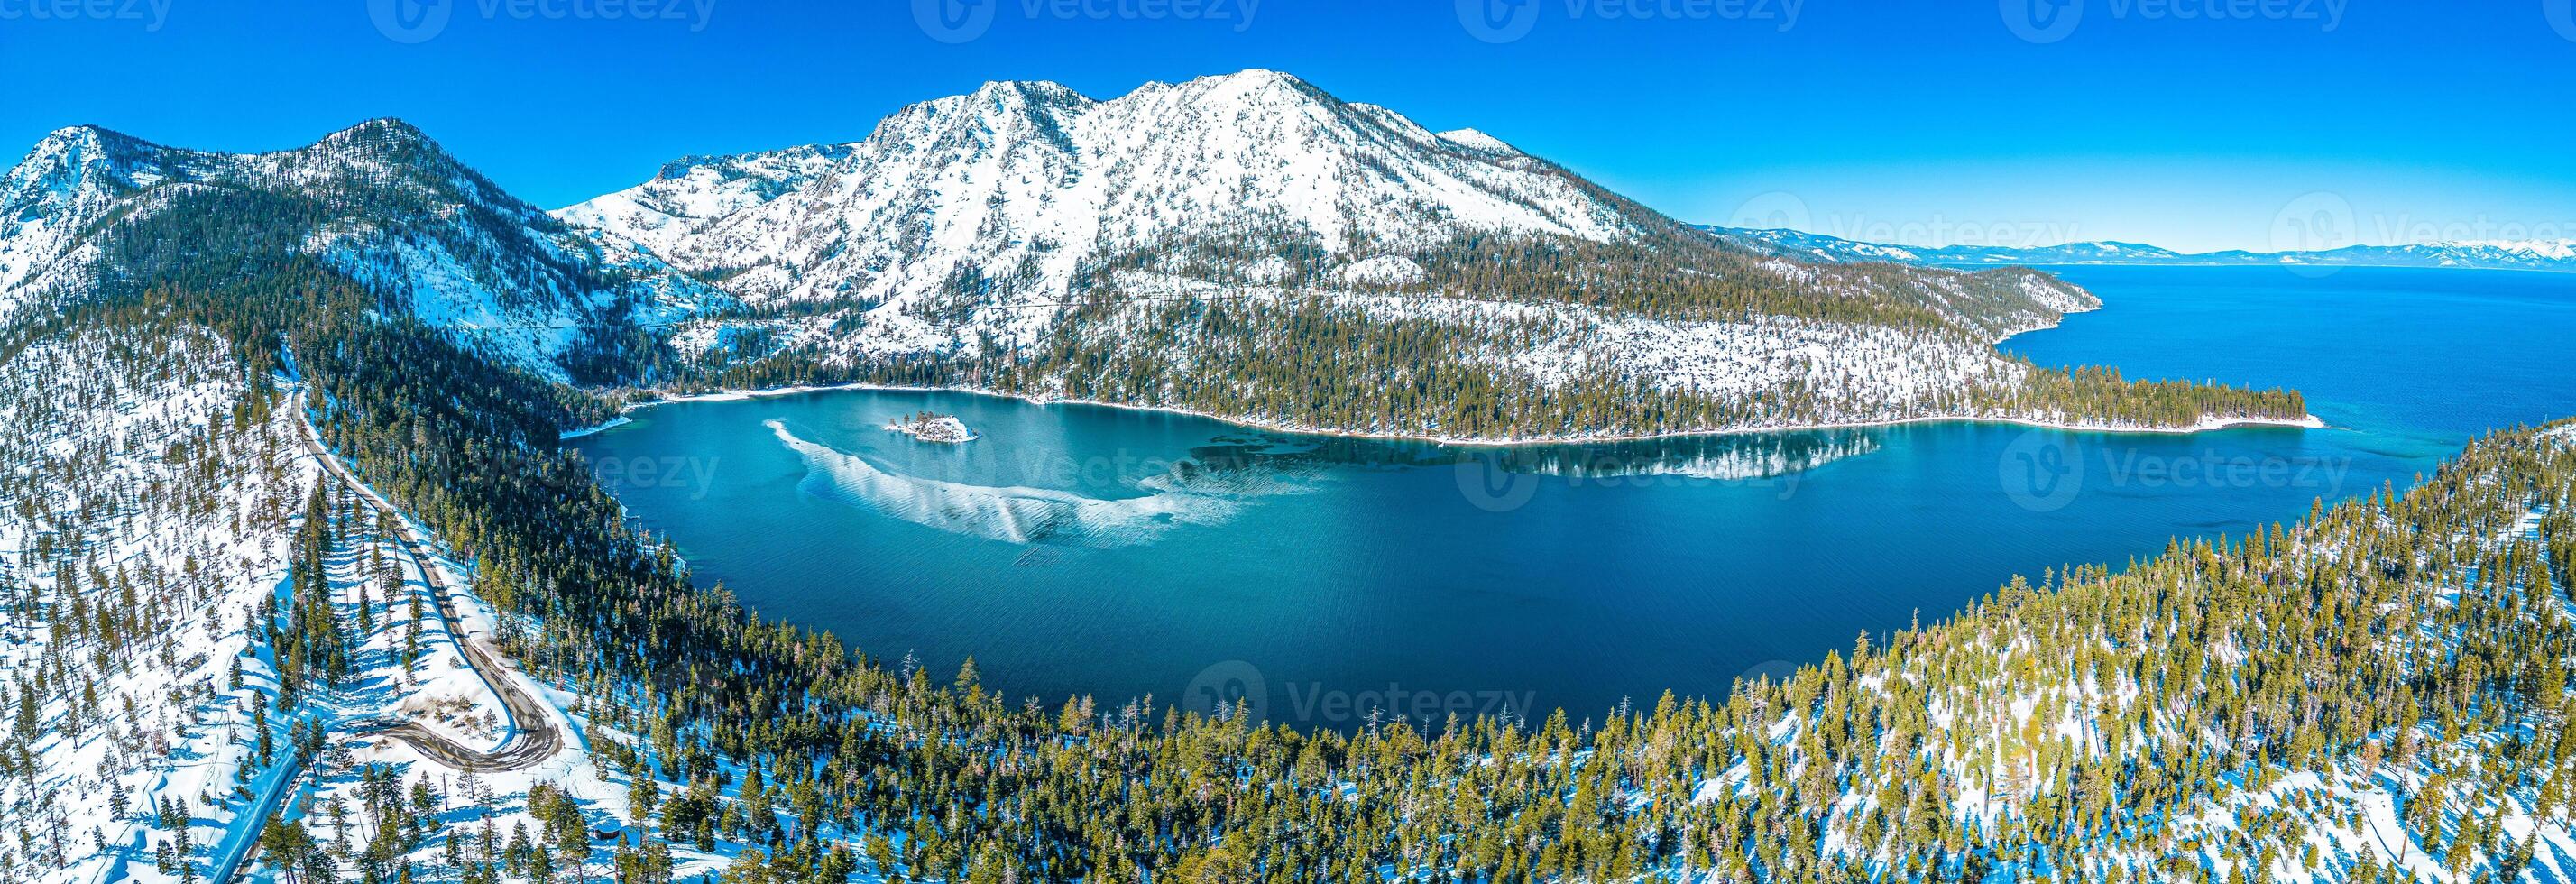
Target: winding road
533, 734
533, 739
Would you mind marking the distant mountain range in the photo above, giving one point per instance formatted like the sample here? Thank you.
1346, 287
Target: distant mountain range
2549, 255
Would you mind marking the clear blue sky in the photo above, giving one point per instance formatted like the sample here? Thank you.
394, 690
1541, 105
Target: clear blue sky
2178, 122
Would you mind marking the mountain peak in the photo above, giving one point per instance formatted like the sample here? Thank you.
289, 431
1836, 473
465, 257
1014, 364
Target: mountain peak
76, 142
380, 131
1254, 78
1254, 83
1026, 90
85, 134
1478, 140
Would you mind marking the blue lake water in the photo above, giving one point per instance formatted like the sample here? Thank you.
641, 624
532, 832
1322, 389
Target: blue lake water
1087, 550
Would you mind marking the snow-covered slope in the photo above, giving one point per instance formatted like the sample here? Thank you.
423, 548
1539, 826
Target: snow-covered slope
692, 193
69, 181
143, 502
1024, 185
379, 202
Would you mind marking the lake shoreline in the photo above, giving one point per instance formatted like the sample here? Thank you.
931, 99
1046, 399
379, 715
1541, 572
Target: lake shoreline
2311, 422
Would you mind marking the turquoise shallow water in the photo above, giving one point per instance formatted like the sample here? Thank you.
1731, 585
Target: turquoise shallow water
1078, 549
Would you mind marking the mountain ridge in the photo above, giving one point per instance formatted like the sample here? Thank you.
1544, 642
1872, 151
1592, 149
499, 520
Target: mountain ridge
2549, 255
379, 201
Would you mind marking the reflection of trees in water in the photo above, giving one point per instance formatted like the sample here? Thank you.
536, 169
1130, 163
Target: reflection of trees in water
1743, 456
1701, 457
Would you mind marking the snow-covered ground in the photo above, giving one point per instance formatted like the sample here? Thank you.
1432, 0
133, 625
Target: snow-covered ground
145, 520
149, 515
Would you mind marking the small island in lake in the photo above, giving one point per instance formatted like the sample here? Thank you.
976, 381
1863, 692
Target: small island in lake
933, 427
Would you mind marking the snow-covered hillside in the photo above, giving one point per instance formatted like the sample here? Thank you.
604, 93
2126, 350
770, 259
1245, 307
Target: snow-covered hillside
143, 521
1026, 182
379, 201
149, 588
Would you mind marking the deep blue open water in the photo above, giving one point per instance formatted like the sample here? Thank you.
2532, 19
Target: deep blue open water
1087, 550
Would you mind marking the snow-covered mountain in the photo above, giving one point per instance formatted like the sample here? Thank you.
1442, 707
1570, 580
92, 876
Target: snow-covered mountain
379, 202
2547, 254
69, 181
1031, 185
1180, 227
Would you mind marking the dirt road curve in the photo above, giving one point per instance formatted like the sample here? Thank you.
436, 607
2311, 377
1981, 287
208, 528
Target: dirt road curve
533, 735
